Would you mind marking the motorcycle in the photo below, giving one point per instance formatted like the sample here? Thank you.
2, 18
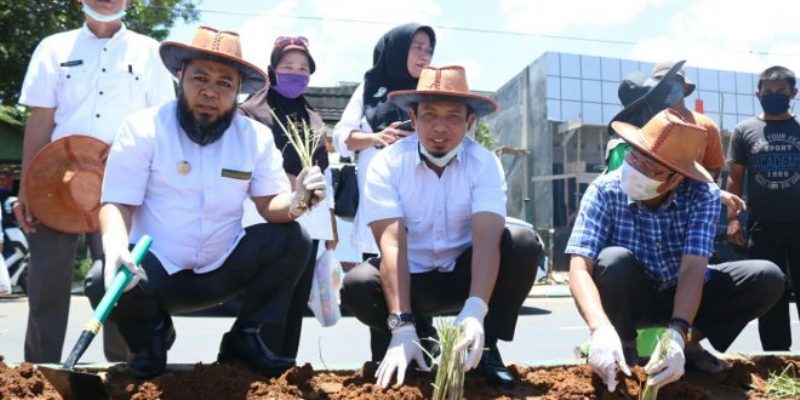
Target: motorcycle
15, 249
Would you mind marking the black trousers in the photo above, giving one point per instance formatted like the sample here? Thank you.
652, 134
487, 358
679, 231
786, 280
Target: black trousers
735, 294
777, 242
436, 293
265, 266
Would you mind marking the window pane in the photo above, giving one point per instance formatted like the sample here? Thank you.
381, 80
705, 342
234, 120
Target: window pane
690, 100
729, 122
708, 79
710, 100
646, 67
610, 92
591, 91
590, 67
570, 110
553, 87
744, 83
570, 65
727, 81
714, 116
628, 67
744, 104
592, 113
728, 104
553, 110
691, 74
610, 69
552, 63
570, 89
609, 111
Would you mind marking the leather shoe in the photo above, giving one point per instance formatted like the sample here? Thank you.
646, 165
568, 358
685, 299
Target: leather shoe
246, 347
493, 369
152, 361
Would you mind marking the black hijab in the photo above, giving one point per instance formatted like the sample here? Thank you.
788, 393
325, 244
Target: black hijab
389, 72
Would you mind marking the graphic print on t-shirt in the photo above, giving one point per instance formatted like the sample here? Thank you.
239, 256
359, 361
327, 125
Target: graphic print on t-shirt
776, 161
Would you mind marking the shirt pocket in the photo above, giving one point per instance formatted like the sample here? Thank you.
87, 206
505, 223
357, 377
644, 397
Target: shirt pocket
74, 84
459, 218
128, 81
233, 186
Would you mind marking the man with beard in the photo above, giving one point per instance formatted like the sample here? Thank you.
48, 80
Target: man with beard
180, 173
84, 81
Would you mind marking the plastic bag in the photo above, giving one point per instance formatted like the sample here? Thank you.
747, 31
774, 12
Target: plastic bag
325, 286
5, 280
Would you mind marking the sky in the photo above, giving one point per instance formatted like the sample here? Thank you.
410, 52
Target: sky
495, 40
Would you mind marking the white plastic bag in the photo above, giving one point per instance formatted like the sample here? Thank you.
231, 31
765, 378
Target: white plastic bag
5, 280
325, 286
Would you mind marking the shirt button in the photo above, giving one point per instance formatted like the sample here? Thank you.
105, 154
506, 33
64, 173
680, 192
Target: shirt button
101, 93
105, 49
97, 115
104, 70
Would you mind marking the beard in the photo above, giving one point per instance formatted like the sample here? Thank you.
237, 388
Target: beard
202, 130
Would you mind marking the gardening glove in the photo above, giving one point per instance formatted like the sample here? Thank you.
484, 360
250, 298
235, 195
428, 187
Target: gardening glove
605, 354
403, 348
119, 257
310, 191
669, 368
471, 321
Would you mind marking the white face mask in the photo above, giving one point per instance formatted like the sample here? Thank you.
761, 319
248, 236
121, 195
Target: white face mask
637, 185
443, 160
103, 18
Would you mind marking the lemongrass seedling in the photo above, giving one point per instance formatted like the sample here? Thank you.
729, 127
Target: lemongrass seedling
303, 138
449, 383
650, 392
785, 385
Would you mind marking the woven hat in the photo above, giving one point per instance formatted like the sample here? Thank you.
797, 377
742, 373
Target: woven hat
63, 183
670, 140
444, 83
214, 45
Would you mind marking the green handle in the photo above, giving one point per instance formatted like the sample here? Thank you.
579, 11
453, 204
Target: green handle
121, 279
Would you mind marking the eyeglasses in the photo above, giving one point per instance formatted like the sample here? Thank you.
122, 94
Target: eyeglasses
283, 41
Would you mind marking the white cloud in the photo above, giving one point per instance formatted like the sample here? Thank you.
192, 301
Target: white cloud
562, 15
472, 66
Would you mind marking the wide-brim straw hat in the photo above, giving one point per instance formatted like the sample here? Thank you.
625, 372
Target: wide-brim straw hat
670, 140
63, 183
214, 45
444, 83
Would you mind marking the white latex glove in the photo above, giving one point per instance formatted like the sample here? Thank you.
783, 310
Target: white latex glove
471, 321
403, 348
605, 354
310, 190
670, 368
118, 257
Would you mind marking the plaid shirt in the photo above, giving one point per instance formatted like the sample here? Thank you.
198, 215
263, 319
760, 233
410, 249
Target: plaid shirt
684, 224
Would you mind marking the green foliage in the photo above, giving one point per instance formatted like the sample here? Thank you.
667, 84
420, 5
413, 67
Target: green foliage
23, 23
13, 116
484, 136
650, 392
449, 384
785, 385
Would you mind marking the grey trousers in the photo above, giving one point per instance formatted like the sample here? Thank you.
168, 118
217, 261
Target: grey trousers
436, 293
734, 294
265, 266
49, 287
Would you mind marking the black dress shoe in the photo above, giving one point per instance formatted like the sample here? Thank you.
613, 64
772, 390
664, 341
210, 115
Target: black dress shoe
493, 369
246, 347
152, 361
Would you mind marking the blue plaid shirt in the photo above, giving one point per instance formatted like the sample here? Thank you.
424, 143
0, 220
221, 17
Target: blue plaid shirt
684, 224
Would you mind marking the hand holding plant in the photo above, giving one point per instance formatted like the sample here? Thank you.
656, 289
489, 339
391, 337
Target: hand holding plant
666, 364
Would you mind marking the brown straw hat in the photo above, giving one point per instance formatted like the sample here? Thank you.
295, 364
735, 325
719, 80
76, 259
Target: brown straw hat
670, 140
444, 83
214, 45
63, 183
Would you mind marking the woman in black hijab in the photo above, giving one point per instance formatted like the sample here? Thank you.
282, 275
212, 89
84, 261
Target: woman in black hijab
370, 122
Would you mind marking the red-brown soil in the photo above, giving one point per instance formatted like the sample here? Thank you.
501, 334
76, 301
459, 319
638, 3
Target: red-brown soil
746, 380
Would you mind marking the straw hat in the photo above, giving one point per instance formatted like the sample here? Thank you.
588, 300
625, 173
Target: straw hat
63, 183
444, 83
214, 45
670, 140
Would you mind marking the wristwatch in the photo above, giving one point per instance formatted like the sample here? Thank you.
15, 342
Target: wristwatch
399, 319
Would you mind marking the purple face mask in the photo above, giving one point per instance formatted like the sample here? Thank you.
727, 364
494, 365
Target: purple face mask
291, 86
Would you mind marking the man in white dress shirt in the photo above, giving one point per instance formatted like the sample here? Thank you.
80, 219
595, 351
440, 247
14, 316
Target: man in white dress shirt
80, 82
181, 173
436, 204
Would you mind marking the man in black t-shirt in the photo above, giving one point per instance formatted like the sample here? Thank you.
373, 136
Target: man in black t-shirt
766, 149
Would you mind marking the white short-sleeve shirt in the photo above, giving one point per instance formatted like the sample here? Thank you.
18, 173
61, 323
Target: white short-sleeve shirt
95, 83
437, 210
195, 219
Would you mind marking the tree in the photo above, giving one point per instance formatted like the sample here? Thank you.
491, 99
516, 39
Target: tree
23, 23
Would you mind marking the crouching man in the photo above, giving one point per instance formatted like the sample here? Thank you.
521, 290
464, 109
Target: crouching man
180, 173
640, 249
436, 204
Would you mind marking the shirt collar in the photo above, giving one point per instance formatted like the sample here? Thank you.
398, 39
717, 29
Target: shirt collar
89, 34
421, 159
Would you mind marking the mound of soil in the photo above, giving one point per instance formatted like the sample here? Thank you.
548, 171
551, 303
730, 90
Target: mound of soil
746, 380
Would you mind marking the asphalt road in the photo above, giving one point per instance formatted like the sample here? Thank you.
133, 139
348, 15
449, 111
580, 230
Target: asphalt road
548, 330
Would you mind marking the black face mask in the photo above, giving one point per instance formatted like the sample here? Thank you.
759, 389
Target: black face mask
200, 131
774, 103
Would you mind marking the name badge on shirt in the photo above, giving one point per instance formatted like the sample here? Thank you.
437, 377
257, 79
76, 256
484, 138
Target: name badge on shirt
233, 174
73, 63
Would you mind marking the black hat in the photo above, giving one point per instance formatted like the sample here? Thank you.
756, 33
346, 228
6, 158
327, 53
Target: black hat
648, 100
661, 69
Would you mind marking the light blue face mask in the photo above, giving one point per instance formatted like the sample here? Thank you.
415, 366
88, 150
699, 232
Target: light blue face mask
443, 159
100, 17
